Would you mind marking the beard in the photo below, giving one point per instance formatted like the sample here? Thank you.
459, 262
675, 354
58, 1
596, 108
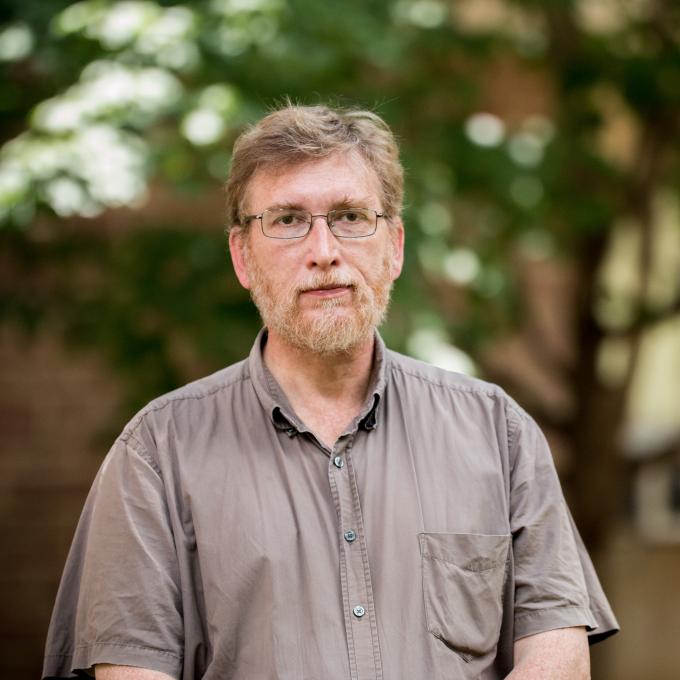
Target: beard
333, 325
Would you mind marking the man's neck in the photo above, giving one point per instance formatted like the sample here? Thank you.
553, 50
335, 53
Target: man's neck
326, 391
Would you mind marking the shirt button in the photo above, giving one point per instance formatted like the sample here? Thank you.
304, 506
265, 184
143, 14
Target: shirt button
350, 536
338, 462
358, 611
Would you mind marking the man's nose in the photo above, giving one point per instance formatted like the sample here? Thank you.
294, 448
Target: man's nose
322, 245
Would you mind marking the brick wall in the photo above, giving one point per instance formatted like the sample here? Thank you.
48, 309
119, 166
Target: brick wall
53, 407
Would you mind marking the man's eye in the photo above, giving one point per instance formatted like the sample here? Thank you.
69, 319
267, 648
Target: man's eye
351, 216
288, 220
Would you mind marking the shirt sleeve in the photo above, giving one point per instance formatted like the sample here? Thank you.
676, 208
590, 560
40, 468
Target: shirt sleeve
555, 583
119, 600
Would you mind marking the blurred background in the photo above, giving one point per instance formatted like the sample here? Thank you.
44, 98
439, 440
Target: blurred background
541, 145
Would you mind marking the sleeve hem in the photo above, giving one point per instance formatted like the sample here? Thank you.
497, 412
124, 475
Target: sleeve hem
540, 621
84, 658
607, 625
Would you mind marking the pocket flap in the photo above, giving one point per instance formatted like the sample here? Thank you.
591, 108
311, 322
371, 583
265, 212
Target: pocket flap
472, 552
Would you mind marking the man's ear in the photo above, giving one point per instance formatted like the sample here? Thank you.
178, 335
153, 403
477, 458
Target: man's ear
237, 245
397, 236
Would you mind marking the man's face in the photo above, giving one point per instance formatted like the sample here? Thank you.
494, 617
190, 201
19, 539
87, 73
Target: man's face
319, 293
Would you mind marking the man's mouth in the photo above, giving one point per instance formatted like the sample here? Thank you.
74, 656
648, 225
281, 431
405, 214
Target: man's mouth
327, 291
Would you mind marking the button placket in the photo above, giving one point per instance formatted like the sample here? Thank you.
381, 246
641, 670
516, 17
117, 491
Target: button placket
355, 576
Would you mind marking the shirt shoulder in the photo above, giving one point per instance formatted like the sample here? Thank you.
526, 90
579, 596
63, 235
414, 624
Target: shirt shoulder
422, 379
199, 396
418, 372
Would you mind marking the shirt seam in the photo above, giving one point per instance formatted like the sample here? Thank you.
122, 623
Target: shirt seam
166, 401
451, 563
539, 612
489, 392
601, 617
142, 452
598, 610
165, 652
513, 424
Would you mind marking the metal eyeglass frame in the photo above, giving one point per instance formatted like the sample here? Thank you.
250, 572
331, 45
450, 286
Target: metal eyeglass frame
247, 218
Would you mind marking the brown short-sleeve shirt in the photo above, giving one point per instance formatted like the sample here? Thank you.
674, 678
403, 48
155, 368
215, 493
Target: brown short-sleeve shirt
222, 540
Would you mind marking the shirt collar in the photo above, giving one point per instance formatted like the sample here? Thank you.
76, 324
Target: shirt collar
280, 412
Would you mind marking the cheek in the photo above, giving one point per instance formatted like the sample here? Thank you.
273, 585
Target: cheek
270, 266
282, 270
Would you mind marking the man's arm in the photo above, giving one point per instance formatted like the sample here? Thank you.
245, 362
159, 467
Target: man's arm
560, 654
107, 671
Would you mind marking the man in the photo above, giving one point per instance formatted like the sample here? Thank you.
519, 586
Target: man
326, 509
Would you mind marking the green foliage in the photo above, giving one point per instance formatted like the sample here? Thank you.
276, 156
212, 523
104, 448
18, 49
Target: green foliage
110, 96
158, 303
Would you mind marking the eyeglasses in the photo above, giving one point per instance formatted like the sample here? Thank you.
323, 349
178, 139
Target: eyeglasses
345, 222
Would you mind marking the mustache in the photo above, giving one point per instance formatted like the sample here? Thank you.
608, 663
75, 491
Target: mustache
325, 282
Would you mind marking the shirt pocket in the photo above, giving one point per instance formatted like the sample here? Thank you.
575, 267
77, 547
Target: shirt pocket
463, 576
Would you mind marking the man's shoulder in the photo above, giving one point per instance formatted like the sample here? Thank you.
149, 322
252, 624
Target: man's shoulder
419, 374
207, 386
420, 371
199, 395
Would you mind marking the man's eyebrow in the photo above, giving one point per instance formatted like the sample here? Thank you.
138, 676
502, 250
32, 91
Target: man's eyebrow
352, 202
345, 202
289, 205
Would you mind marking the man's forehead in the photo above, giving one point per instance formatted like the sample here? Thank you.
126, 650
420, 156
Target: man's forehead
338, 175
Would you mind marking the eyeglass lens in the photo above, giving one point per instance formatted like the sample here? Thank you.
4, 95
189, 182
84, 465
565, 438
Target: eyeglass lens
346, 222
